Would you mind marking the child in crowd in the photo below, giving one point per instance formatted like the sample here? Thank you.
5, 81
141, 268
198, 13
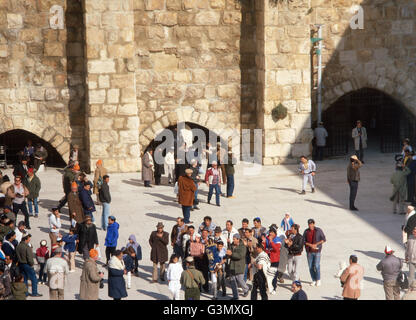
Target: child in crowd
70, 246
42, 254
19, 289
174, 276
59, 244
129, 258
287, 222
138, 249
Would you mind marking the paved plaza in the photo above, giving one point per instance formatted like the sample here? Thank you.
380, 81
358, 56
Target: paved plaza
268, 195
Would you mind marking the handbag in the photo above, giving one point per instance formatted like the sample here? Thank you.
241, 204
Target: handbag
402, 281
101, 283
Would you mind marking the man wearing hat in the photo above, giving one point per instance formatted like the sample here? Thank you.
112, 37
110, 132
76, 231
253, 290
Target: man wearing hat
159, 241
33, 185
186, 194
390, 268
298, 293
213, 179
57, 270
191, 280
90, 277
320, 135
351, 279
353, 178
87, 237
237, 255
399, 182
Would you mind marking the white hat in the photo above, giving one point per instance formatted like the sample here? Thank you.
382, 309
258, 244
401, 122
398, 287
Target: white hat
388, 250
197, 235
214, 162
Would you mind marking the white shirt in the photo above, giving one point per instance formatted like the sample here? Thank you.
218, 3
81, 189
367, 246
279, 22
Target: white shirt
19, 235
229, 235
169, 159
53, 221
174, 271
57, 264
19, 189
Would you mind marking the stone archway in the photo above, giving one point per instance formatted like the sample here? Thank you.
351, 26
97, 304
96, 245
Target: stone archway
58, 138
207, 120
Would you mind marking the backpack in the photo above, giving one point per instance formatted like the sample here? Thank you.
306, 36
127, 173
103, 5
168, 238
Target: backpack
402, 281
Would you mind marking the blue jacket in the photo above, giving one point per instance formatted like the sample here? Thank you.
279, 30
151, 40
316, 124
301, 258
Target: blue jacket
116, 284
112, 235
128, 262
70, 242
87, 202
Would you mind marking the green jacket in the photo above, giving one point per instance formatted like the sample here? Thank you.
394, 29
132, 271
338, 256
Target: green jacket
4, 230
186, 279
34, 187
19, 290
24, 253
238, 259
399, 181
229, 167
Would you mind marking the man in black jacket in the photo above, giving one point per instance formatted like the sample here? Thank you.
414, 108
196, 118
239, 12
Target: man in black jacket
294, 244
105, 199
21, 169
87, 237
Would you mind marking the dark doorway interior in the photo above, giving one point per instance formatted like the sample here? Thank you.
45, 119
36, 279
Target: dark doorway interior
16, 140
386, 120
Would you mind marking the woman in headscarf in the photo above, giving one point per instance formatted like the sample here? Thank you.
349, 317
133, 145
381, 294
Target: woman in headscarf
138, 250
116, 271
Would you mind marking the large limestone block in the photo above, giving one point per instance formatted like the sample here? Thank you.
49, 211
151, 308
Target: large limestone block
301, 149
164, 62
54, 49
151, 5
129, 136
97, 96
16, 108
300, 121
207, 18
286, 77
286, 135
127, 109
168, 19
101, 66
100, 123
14, 21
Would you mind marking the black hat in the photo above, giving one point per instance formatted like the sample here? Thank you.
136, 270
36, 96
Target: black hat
311, 221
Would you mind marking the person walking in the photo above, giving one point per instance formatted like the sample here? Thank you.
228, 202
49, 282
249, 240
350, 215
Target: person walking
159, 241
390, 267
298, 293
173, 275
86, 200
196, 178
191, 280
359, 135
111, 238
159, 167
399, 182
186, 194
70, 246
176, 236
320, 135
99, 174
105, 199
87, 237
57, 270
351, 279
116, 271
19, 202
33, 185
25, 257
147, 168
54, 225
42, 256
90, 277
213, 179
170, 165
307, 169
237, 255
314, 237
294, 245
260, 266
76, 211
353, 178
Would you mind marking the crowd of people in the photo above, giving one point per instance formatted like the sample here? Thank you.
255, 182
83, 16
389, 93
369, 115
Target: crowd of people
207, 258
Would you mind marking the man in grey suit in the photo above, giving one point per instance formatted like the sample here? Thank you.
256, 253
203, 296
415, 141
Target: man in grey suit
359, 134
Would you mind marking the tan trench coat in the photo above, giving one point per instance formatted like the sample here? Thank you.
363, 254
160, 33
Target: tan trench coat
90, 281
352, 277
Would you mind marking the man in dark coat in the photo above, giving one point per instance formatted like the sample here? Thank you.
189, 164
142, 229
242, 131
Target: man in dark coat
69, 176
76, 212
186, 194
87, 237
21, 169
86, 200
159, 241
105, 199
40, 156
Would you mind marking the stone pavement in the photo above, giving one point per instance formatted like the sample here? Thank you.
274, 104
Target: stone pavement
267, 195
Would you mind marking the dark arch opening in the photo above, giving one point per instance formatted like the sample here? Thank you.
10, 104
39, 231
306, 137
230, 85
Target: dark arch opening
15, 141
179, 141
387, 122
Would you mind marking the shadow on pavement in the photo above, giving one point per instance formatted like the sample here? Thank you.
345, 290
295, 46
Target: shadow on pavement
323, 203
160, 216
374, 280
155, 295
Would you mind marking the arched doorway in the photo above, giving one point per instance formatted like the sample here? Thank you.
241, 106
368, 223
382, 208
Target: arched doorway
15, 141
387, 122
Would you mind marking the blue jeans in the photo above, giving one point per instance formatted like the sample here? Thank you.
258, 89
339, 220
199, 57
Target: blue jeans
314, 263
186, 210
230, 185
35, 203
29, 273
196, 195
105, 215
217, 193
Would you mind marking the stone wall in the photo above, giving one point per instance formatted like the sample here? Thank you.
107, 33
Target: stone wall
380, 56
41, 72
113, 121
196, 62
